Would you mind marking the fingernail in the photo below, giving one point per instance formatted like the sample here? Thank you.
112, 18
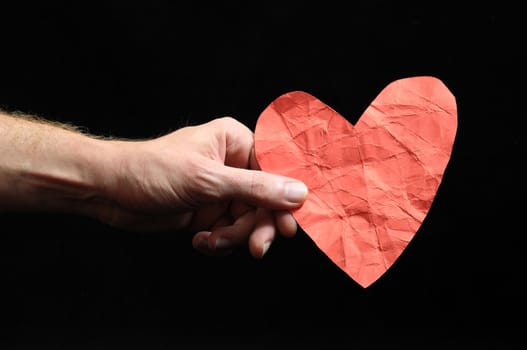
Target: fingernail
222, 243
295, 192
202, 243
266, 247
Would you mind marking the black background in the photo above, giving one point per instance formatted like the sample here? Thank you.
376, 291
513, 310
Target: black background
140, 69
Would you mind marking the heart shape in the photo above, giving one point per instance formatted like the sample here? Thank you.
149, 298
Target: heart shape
370, 185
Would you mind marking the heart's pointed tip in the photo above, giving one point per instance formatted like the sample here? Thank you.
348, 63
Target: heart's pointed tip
366, 283
364, 286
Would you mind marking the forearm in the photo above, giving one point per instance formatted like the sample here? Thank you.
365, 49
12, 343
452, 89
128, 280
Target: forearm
45, 167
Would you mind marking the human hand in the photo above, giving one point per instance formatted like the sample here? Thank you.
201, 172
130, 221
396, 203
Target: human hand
205, 179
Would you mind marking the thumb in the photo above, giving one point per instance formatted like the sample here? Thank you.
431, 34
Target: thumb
262, 189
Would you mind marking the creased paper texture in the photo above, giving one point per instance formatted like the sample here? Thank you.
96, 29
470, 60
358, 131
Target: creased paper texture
371, 185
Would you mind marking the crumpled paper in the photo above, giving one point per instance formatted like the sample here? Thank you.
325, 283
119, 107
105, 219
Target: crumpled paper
370, 185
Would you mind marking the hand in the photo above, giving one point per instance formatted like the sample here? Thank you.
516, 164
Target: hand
206, 179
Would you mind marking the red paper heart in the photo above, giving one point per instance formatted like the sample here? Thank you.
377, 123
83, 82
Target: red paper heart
372, 184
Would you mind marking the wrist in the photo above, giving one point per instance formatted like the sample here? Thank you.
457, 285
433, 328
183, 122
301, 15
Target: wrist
48, 168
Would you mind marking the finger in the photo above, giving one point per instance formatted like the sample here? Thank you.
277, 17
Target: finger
238, 140
232, 236
207, 215
254, 187
260, 189
263, 234
285, 223
200, 241
223, 221
238, 209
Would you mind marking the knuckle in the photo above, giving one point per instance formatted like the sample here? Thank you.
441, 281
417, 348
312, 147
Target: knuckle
256, 184
228, 120
225, 122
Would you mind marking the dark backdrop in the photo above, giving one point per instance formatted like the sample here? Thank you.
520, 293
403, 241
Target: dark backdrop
140, 69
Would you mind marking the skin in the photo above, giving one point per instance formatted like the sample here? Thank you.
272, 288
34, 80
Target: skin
203, 179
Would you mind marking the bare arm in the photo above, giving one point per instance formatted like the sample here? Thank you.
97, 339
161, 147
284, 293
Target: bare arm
47, 166
202, 178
